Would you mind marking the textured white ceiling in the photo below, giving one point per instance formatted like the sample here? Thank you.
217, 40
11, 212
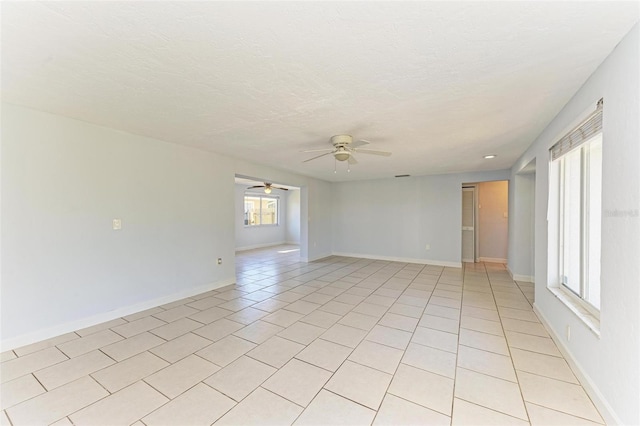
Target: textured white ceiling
439, 84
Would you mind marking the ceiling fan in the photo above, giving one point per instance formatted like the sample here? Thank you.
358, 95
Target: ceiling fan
344, 147
267, 187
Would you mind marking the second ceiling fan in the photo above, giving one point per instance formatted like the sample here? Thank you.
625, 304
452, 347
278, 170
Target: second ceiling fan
268, 187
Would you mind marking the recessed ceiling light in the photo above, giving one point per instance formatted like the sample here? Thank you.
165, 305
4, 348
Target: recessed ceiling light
490, 156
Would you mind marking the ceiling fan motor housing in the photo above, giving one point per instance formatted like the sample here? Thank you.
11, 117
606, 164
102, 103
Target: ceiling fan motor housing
339, 140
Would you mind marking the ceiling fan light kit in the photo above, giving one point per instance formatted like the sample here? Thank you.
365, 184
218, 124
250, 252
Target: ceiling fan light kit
342, 155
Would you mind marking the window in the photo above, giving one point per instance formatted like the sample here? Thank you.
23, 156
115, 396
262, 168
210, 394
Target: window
577, 164
260, 210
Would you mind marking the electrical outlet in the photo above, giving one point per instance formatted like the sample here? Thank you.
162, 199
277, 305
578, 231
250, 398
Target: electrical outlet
219, 261
117, 224
427, 247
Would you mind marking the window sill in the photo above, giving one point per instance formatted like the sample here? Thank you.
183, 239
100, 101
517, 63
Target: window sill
574, 306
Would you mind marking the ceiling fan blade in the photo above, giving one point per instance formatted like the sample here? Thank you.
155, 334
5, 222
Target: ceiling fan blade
370, 151
277, 187
352, 160
317, 156
318, 150
358, 143
257, 186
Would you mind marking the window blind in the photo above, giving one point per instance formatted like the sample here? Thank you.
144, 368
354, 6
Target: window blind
592, 125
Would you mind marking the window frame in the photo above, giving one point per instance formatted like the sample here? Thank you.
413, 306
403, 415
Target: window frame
583, 131
261, 196
580, 298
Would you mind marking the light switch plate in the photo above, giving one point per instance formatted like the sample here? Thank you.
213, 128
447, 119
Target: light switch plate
117, 224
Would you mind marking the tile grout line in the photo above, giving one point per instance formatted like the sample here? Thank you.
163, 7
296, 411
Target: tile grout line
353, 349
455, 370
509, 350
8, 417
494, 410
28, 399
96, 401
569, 414
404, 352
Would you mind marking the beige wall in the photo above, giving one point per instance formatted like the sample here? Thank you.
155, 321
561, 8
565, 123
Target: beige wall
493, 228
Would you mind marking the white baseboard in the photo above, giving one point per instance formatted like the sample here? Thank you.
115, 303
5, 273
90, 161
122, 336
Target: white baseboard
68, 327
518, 277
592, 390
523, 278
292, 243
257, 246
492, 259
314, 258
401, 259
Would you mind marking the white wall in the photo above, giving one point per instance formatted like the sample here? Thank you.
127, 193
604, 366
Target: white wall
63, 181
249, 237
493, 199
396, 218
610, 363
521, 227
292, 234
320, 219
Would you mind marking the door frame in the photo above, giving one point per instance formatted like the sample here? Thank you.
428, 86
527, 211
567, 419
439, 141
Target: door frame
474, 190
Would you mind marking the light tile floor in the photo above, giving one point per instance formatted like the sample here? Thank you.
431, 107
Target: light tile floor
338, 341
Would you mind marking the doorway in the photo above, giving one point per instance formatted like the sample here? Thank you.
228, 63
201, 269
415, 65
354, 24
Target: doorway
485, 220
266, 216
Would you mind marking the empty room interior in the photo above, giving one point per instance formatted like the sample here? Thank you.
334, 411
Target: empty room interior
320, 213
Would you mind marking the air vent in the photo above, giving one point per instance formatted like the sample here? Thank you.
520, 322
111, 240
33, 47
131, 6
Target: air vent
403, 175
